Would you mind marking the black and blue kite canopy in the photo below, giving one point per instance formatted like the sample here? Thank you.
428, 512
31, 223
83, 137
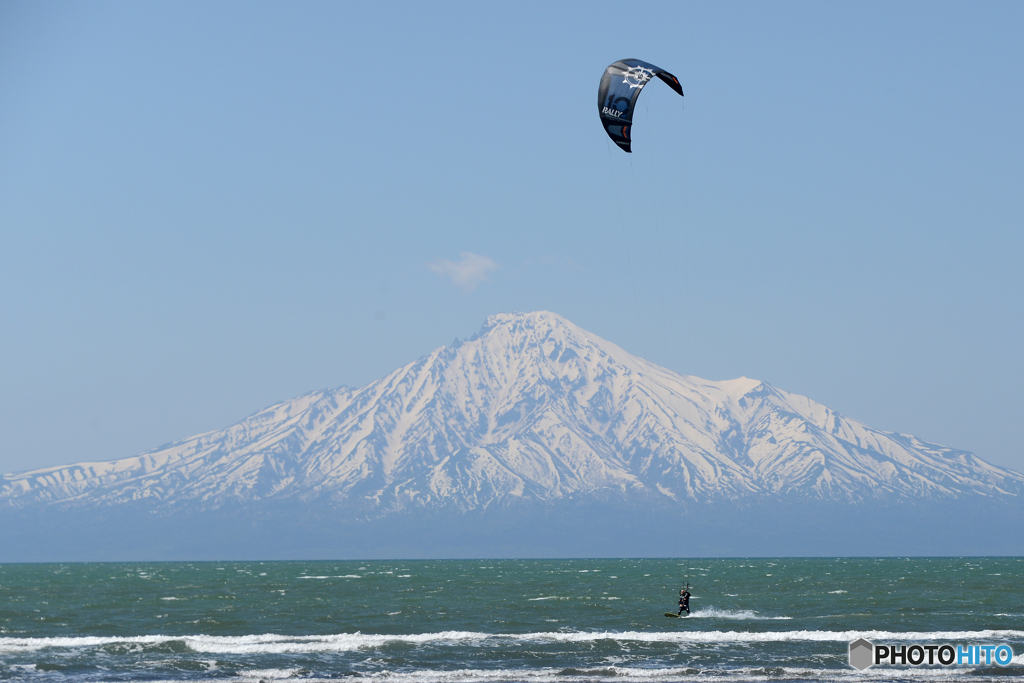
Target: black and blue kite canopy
620, 87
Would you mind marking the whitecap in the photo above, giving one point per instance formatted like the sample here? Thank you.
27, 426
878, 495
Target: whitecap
33, 644
271, 643
273, 674
751, 615
626, 674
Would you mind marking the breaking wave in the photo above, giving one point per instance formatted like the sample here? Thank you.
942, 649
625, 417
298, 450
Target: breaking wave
746, 614
616, 673
346, 642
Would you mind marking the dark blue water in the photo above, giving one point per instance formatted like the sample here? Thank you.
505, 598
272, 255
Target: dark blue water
501, 620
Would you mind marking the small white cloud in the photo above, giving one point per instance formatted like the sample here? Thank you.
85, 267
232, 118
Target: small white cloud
466, 273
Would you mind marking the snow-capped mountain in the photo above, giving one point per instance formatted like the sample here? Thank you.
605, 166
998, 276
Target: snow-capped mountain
534, 409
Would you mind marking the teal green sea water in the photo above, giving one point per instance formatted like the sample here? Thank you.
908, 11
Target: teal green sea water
502, 620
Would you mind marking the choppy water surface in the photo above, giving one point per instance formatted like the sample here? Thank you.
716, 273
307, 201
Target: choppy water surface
500, 620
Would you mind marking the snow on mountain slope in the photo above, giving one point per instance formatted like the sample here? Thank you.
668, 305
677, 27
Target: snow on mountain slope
535, 408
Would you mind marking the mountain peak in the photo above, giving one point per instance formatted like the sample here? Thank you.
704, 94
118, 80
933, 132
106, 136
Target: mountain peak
533, 317
543, 331
536, 322
741, 386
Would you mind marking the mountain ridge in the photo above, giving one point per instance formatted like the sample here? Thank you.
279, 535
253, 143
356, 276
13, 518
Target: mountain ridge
531, 408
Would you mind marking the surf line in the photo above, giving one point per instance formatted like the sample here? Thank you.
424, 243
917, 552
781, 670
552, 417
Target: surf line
279, 644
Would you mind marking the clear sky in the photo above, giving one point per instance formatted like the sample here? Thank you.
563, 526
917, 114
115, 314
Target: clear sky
206, 208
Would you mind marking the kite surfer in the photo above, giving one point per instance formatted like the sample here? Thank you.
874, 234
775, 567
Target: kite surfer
684, 601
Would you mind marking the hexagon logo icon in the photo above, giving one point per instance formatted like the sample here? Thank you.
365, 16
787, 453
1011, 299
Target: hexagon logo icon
861, 652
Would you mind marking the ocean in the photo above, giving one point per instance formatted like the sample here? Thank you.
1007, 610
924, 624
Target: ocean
459, 621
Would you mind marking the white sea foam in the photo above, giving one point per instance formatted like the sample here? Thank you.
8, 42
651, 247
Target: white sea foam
714, 613
631, 675
32, 644
346, 642
342, 576
272, 674
624, 674
836, 592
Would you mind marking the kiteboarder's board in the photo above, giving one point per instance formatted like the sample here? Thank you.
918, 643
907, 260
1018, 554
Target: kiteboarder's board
674, 615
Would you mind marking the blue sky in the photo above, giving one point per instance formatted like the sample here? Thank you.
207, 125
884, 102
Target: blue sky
206, 208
